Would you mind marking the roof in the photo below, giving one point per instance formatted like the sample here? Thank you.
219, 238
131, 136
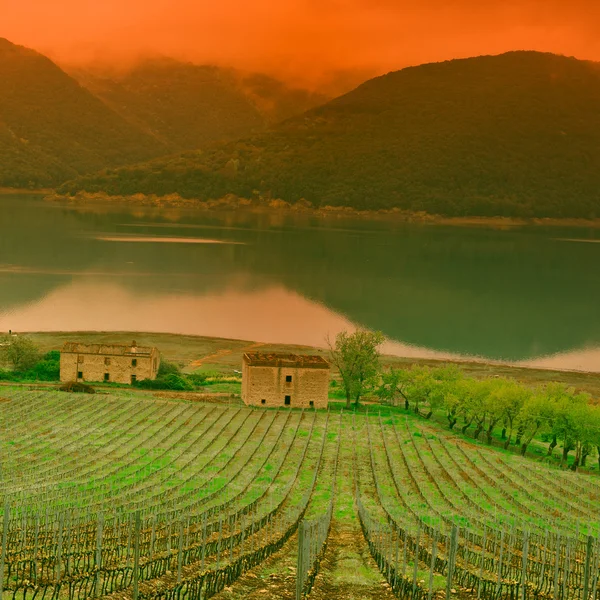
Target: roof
275, 359
112, 349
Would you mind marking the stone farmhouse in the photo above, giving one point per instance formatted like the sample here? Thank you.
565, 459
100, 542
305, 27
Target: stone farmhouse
100, 362
285, 380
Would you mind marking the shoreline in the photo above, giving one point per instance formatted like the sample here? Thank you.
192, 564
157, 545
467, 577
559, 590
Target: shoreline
234, 203
231, 347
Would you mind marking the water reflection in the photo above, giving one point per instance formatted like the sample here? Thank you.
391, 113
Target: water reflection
272, 315
444, 292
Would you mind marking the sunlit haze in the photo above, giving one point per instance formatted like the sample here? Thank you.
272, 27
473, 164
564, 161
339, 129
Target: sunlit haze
322, 43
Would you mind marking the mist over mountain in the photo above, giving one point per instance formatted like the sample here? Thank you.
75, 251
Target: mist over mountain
187, 106
52, 129
55, 126
515, 134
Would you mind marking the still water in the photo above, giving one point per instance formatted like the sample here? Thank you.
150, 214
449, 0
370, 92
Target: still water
528, 296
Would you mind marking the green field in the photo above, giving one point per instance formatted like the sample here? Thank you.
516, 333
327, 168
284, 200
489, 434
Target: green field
220, 490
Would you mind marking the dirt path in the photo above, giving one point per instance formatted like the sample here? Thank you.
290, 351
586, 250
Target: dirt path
275, 578
348, 572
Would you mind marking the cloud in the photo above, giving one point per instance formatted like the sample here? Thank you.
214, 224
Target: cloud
307, 41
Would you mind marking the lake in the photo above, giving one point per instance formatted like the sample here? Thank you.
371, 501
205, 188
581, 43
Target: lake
529, 296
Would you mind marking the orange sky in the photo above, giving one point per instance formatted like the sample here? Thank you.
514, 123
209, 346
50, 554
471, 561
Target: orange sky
307, 41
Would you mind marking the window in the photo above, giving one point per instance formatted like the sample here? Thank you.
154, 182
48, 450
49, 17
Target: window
263, 401
288, 400
107, 361
80, 359
133, 379
311, 403
79, 374
134, 362
106, 376
288, 378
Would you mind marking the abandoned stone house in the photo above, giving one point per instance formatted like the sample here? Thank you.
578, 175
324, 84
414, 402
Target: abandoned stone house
285, 380
114, 362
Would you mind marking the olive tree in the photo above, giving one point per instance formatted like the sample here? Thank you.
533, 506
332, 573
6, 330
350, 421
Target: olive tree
394, 385
356, 357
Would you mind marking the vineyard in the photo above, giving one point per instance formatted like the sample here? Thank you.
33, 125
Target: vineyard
148, 499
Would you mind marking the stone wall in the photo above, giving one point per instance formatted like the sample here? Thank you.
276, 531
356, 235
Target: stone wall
269, 386
120, 369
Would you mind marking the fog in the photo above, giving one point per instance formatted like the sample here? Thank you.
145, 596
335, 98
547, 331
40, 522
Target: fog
325, 44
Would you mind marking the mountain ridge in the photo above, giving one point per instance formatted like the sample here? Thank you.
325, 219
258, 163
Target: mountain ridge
56, 126
506, 135
51, 128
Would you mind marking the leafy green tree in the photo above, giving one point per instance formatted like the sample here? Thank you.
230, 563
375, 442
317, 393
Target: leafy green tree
167, 368
513, 399
453, 404
443, 382
594, 425
557, 394
571, 410
356, 356
394, 385
47, 369
533, 418
20, 352
474, 394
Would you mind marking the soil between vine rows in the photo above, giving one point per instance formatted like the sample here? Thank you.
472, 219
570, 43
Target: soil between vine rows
178, 461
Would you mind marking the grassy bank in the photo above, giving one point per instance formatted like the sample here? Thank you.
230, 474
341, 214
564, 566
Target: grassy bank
224, 356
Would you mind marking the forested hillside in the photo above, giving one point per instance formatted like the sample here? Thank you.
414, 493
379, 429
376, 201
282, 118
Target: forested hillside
187, 106
55, 126
515, 134
52, 129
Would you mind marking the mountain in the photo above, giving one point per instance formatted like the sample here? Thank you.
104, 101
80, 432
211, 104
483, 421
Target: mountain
187, 106
515, 134
52, 129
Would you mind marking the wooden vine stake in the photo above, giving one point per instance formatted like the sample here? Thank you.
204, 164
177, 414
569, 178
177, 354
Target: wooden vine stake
5, 518
300, 565
432, 565
451, 559
524, 572
98, 554
180, 552
136, 556
59, 546
586, 573
416, 565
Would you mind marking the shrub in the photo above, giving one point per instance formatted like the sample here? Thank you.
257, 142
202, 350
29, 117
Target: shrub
44, 370
167, 368
6, 375
169, 382
78, 387
198, 379
53, 355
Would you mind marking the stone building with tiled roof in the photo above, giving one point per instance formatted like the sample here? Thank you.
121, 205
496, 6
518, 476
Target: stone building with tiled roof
108, 362
293, 380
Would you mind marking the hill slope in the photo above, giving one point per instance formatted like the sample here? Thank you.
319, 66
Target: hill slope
187, 105
52, 129
515, 134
